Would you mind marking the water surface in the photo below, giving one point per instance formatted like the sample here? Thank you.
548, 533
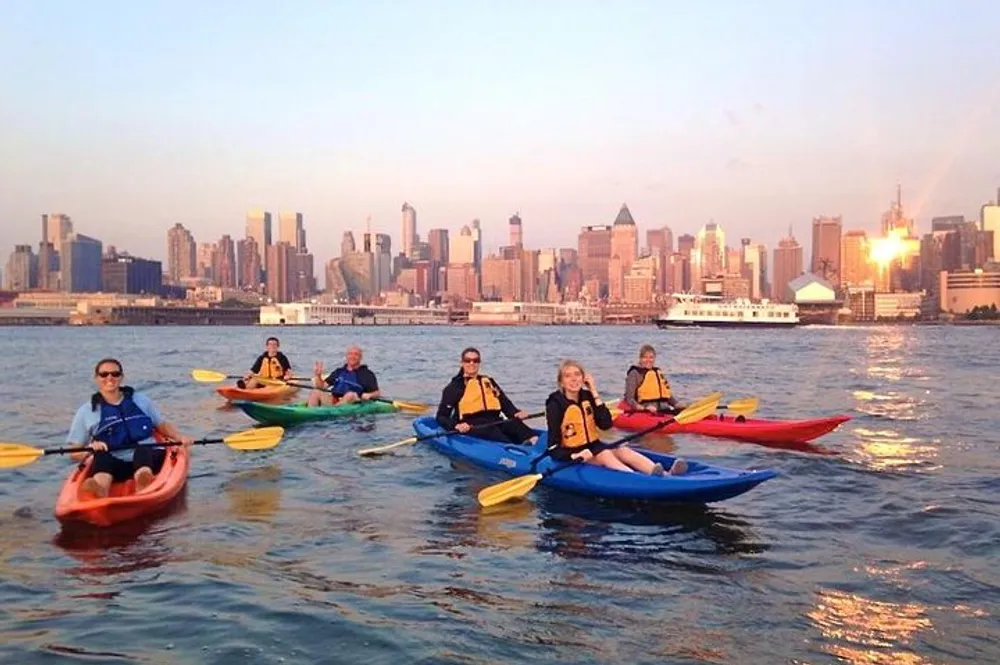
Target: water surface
883, 551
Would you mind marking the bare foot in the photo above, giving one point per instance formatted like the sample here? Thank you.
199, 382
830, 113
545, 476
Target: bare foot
90, 488
657, 470
143, 477
679, 467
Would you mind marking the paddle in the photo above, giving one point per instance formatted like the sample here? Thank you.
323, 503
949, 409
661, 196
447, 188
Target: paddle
518, 487
378, 450
740, 407
18, 454
402, 405
211, 376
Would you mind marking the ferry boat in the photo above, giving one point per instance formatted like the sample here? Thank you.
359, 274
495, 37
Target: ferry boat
691, 310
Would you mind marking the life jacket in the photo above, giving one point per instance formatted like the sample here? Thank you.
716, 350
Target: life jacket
480, 395
123, 423
578, 425
653, 387
346, 381
271, 368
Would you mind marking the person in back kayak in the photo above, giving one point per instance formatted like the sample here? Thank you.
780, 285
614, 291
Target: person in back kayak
646, 388
272, 364
474, 400
575, 414
351, 382
111, 424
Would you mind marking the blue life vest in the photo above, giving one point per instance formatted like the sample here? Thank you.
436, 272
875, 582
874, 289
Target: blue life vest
346, 381
123, 424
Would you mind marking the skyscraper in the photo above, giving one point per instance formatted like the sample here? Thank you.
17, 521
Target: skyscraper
826, 235
438, 241
516, 231
409, 238
248, 262
856, 267
19, 273
594, 252
990, 221
81, 263
708, 257
463, 248
290, 230
181, 253
787, 266
259, 228
224, 263
625, 238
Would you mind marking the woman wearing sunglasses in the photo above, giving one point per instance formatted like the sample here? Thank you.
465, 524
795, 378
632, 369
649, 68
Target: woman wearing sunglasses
473, 400
116, 417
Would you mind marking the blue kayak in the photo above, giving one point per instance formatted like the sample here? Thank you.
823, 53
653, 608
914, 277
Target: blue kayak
703, 483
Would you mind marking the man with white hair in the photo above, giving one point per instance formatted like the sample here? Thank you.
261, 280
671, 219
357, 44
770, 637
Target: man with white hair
351, 382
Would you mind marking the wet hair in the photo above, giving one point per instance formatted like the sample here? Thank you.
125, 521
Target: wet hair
272, 339
646, 348
569, 362
97, 399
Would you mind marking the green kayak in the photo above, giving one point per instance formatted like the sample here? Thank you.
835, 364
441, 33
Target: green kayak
293, 414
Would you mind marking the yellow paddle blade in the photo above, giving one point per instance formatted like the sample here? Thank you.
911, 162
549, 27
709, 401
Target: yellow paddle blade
260, 438
508, 489
699, 409
17, 454
378, 450
743, 407
411, 407
207, 376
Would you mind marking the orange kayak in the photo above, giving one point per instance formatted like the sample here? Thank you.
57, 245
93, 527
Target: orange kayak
262, 394
123, 503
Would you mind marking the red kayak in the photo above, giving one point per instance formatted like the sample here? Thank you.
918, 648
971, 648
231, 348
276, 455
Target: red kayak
124, 503
754, 430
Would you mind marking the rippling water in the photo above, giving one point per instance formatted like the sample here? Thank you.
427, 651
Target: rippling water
885, 550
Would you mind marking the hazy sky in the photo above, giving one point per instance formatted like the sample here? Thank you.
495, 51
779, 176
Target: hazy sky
133, 115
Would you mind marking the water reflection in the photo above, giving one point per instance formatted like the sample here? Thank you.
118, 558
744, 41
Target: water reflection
887, 450
890, 404
255, 495
128, 547
867, 632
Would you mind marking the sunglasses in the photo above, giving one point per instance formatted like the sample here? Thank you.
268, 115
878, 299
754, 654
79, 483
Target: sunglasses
114, 373
474, 361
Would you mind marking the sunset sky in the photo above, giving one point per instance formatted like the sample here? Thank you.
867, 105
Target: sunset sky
131, 116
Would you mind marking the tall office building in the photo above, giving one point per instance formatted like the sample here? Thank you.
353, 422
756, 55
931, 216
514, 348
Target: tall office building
248, 263
437, 240
409, 239
181, 253
224, 263
787, 266
516, 231
826, 236
291, 230
594, 253
258, 227
989, 220
708, 257
81, 263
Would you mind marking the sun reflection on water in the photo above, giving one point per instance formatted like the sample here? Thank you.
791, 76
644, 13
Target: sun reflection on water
867, 632
887, 450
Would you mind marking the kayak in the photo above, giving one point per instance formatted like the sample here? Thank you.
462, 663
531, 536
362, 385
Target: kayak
703, 483
294, 414
123, 503
753, 430
262, 394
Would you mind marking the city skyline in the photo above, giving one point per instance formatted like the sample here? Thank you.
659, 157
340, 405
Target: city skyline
469, 123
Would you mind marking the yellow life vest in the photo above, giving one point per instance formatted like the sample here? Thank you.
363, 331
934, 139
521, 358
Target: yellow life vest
579, 426
480, 395
654, 386
271, 368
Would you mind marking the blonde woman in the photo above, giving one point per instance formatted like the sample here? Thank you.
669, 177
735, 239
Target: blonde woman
575, 414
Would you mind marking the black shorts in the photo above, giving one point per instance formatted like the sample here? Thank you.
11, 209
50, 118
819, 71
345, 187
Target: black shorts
563, 454
120, 470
